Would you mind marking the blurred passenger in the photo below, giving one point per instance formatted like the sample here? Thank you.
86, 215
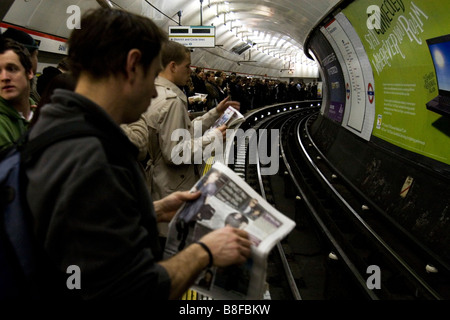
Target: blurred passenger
233, 87
16, 106
88, 197
219, 85
213, 92
63, 65
44, 79
260, 99
167, 113
199, 80
60, 81
221, 74
189, 88
314, 90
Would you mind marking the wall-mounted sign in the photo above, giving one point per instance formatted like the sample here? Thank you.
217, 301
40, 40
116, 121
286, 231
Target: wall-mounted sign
47, 43
193, 36
404, 74
359, 108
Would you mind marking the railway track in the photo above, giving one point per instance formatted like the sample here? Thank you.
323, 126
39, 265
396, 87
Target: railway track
283, 279
344, 246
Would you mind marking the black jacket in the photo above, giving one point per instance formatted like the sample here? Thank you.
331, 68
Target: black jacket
92, 209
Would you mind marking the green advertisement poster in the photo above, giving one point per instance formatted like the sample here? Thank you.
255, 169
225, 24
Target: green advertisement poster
394, 34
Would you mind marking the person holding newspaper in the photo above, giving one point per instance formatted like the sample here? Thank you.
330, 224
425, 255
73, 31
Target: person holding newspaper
94, 219
153, 132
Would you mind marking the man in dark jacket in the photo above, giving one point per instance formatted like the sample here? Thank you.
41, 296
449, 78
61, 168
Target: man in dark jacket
91, 206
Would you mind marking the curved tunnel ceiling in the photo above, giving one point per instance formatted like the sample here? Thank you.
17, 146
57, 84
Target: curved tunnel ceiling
276, 30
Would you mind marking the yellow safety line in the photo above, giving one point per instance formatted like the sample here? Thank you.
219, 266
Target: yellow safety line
208, 165
190, 295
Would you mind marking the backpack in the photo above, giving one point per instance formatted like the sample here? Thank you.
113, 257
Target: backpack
18, 249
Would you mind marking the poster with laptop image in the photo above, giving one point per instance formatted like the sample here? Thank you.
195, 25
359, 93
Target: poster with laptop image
440, 53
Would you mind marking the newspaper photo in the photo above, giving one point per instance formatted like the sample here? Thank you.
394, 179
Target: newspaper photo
231, 117
226, 199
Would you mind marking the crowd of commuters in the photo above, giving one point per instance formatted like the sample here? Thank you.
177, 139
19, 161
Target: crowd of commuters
92, 205
89, 202
252, 93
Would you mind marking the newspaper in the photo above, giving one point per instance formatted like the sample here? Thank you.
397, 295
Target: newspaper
198, 97
226, 199
231, 117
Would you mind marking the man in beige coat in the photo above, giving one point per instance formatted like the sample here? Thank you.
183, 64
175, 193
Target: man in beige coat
152, 133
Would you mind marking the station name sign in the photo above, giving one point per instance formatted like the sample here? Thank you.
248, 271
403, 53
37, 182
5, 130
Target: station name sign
193, 36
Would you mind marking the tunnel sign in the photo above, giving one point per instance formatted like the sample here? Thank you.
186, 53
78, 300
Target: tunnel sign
193, 36
370, 92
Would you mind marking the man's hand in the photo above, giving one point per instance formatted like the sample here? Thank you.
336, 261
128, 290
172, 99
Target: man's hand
228, 246
167, 207
222, 131
225, 103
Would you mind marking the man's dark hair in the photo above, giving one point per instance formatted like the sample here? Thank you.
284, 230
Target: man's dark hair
20, 50
47, 75
23, 38
101, 46
173, 51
